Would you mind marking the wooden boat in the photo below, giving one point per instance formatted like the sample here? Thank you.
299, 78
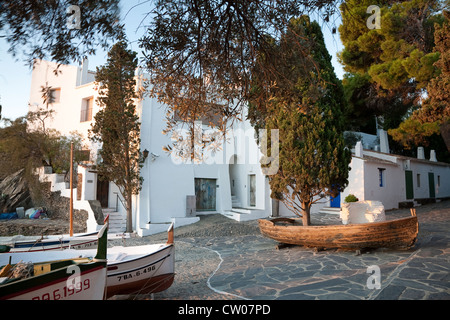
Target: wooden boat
130, 270
50, 242
62, 279
399, 233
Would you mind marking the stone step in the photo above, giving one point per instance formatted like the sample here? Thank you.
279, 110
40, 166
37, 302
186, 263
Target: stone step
117, 222
243, 214
330, 210
235, 203
241, 210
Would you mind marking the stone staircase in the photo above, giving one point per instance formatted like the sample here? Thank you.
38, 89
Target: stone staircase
117, 222
239, 213
235, 203
330, 210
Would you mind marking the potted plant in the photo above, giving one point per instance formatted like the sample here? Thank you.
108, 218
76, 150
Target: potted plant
345, 209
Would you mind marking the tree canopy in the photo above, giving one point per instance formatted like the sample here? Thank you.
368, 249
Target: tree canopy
59, 30
201, 53
433, 116
388, 67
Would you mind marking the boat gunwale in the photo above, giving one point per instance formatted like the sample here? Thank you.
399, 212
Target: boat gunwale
166, 246
324, 236
271, 223
40, 281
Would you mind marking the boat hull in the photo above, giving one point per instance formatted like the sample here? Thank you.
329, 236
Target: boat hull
59, 285
50, 244
130, 270
400, 233
149, 273
55, 242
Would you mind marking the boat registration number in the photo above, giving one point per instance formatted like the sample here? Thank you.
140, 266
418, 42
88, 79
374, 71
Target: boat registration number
65, 292
137, 273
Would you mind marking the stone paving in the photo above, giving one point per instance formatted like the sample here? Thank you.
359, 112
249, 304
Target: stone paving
253, 268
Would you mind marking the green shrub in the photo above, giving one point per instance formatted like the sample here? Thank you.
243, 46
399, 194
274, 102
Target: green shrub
351, 198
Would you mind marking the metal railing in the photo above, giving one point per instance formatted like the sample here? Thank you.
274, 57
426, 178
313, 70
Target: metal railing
117, 202
86, 115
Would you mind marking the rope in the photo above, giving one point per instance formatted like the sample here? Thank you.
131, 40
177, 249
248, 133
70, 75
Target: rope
21, 270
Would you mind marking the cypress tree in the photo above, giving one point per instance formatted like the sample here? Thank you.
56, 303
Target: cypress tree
308, 112
117, 125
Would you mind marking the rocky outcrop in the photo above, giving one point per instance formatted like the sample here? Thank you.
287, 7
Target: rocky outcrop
14, 192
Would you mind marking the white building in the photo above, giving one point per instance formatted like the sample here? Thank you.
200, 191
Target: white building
230, 178
229, 181
396, 180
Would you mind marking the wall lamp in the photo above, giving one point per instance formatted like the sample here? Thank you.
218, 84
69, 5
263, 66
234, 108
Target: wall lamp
145, 154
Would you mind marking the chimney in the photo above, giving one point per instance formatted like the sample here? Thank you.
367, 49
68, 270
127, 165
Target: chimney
84, 71
420, 153
82, 76
384, 143
433, 156
359, 150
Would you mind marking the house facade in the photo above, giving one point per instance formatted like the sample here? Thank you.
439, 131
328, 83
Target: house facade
397, 180
228, 180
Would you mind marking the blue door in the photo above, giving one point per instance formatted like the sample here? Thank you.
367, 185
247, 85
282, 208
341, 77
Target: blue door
335, 202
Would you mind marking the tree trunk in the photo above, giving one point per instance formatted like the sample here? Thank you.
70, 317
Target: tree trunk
129, 213
306, 216
445, 133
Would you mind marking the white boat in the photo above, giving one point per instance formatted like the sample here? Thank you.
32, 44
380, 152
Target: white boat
50, 242
56, 279
130, 270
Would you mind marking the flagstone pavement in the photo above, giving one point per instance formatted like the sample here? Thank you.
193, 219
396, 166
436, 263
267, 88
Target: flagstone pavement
249, 266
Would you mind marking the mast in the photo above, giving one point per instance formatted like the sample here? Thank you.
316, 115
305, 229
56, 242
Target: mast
71, 190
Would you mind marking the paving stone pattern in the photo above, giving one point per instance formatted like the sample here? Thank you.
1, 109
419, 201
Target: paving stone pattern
220, 260
253, 268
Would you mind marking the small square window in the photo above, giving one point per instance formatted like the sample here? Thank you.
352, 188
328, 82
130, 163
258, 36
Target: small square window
55, 95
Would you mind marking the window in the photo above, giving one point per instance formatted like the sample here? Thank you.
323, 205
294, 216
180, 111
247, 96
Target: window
55, 95
418, 180
439, 181
381, 176
86, 109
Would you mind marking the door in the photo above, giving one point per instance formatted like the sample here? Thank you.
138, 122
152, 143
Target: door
252, 183
335, 202
102, 192
205, 194
431, 184
409, 184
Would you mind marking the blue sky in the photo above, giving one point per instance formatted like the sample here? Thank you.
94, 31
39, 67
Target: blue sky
15, 76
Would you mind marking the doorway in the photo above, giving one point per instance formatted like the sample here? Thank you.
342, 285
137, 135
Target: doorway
431, 184
335, 202
205, 194
252, 190
409, 184
103, 192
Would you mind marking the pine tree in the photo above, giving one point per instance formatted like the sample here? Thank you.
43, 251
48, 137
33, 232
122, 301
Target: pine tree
117, 125
59, 30
388, 67
433, 116
313, 161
